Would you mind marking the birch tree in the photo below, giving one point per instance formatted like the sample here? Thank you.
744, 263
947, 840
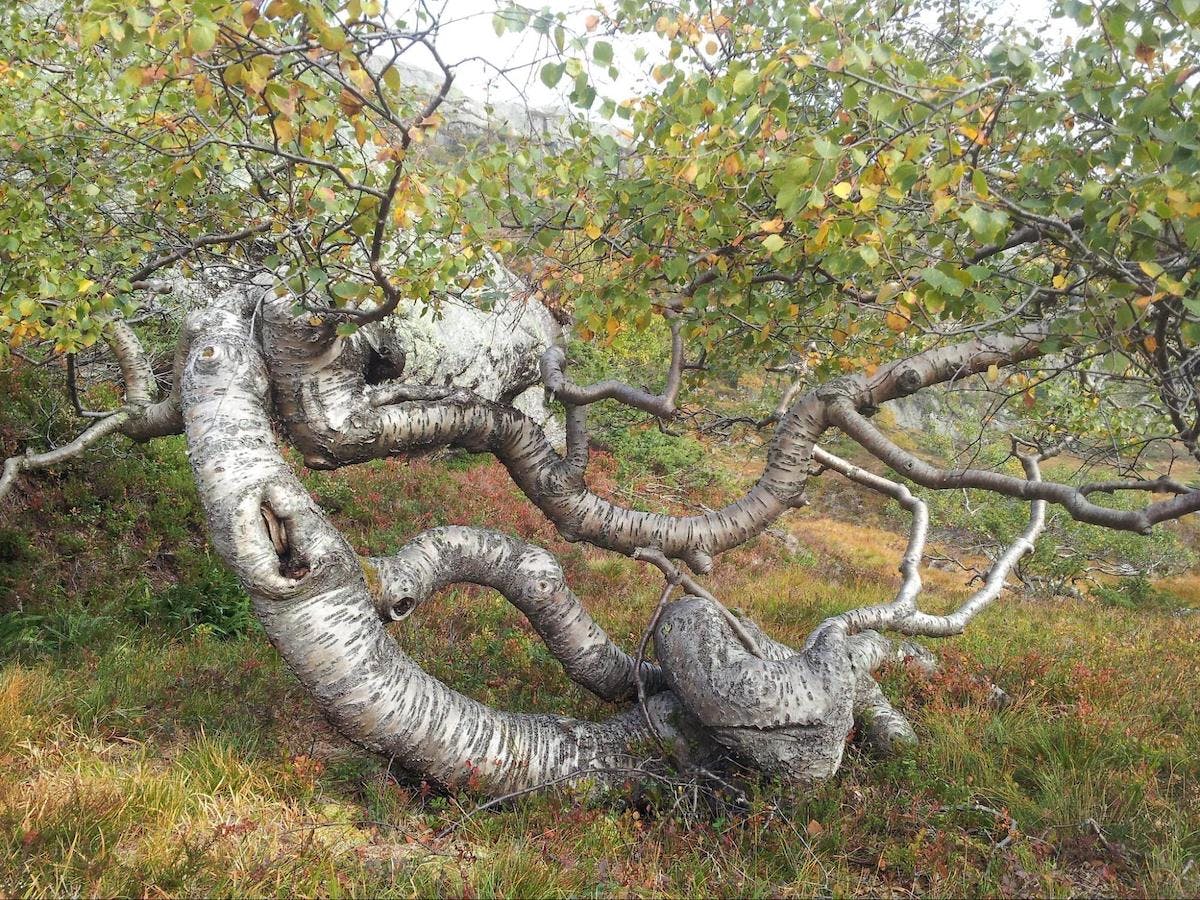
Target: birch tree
874, 200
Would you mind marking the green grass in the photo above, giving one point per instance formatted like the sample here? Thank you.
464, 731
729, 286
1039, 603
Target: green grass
152, 742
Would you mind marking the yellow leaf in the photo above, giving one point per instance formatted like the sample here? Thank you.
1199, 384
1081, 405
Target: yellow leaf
897, 320
889, 290
612, 326
801, 60
333, 39
592, 230
993, 372
843, 190
254, 81
974, 134
772, 226
84, 286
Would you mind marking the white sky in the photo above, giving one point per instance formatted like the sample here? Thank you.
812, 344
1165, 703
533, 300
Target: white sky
467, 32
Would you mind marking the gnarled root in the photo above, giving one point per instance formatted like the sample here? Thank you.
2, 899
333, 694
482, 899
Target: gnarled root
787, 714
883, 729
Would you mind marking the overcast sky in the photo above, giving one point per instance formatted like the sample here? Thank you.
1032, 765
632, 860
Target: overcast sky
468, 33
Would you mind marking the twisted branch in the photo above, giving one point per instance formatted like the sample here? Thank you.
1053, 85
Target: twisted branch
554, 363
138, 378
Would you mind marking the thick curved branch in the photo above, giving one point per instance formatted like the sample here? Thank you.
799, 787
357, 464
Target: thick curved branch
530, 578
320, 390
842, 412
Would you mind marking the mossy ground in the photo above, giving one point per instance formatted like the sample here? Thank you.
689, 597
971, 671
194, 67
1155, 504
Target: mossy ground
152, 743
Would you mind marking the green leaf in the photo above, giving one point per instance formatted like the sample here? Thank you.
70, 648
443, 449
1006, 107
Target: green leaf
773, 243
743, 81
825, 148
602, 52
985, 224
202, 35
881, 106
940, 281
349, 290
551, 74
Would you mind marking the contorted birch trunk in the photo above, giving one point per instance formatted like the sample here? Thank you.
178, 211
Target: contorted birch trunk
311, 594
720, 688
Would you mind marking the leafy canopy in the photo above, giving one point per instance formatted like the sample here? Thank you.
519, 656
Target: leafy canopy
848, 180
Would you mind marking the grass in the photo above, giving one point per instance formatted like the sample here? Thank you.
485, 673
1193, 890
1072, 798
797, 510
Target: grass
151, 742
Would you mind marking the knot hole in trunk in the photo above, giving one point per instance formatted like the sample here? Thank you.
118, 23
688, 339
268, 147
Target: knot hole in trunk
292, 563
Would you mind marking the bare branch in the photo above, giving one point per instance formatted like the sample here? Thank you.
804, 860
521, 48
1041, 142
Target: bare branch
902, 613
554, 362
918, 534
135, 369
842, 413
1163, 485
139, 278
940, 626
675, 575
